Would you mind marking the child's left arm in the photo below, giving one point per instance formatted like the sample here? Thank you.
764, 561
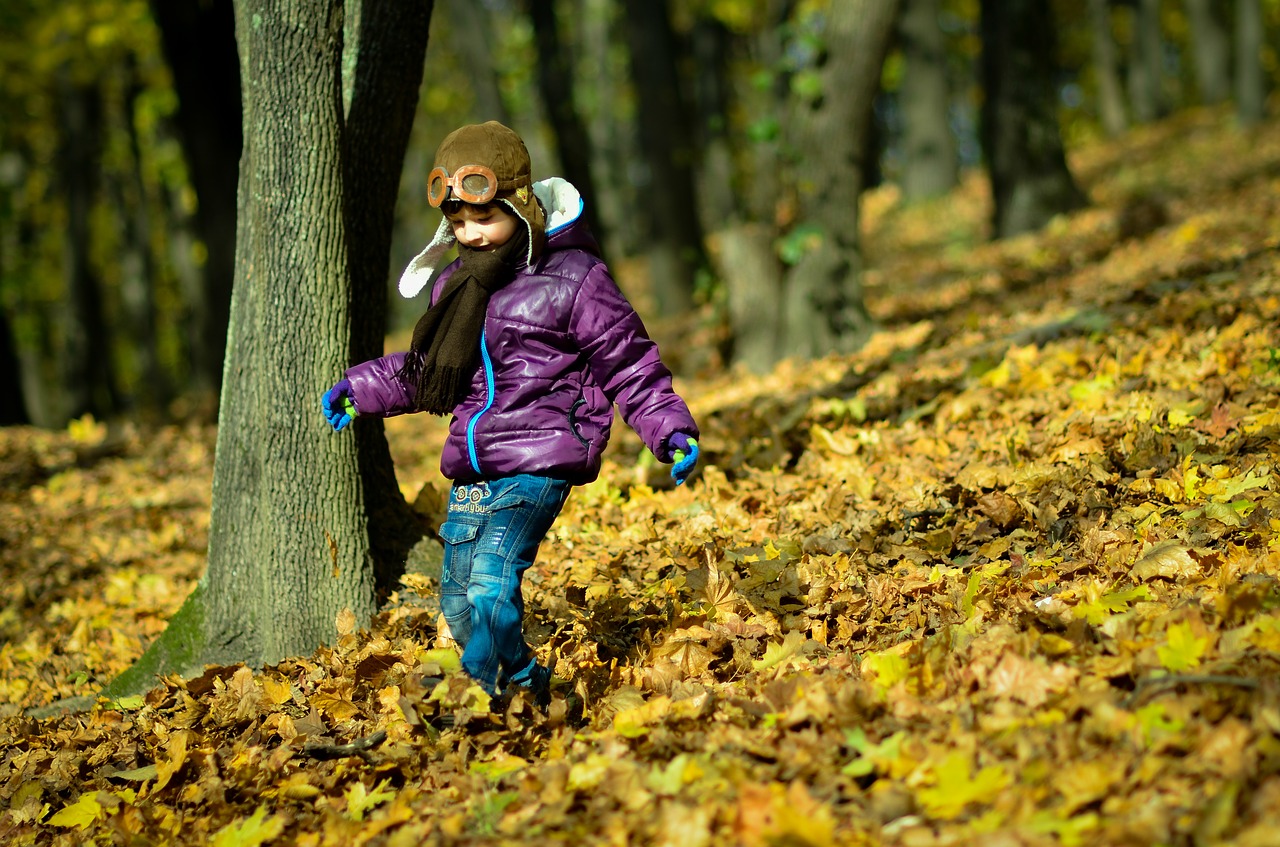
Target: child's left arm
625, 361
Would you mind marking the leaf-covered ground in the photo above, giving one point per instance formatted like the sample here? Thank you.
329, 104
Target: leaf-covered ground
1010, 575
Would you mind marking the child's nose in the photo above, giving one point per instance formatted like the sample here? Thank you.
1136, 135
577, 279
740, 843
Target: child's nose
470, 233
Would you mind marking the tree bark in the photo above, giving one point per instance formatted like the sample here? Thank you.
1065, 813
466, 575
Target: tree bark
293, 536
1030, 182
1106, 64
931, 165
1251, 94
823, 310
1146, 70
198, 41
88, 378
667, 206
1211, 49
555, 82
13, 410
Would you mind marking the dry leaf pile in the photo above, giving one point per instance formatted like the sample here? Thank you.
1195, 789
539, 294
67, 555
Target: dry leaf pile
1010, 575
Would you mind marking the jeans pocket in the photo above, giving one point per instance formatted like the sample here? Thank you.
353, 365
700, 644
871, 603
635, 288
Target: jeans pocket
459, 550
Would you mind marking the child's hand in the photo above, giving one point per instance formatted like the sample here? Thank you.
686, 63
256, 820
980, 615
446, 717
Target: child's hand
339, 409
684, 450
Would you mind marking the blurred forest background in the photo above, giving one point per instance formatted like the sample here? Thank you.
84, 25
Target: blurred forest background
723, 183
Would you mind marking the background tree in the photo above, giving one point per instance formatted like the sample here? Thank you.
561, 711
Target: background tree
1106, 69
292, 538
665, 208
1210, 48
1251, 95
199, 46
924, 95
828, 126
1030, 182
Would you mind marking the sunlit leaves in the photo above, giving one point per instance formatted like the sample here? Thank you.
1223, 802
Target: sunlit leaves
1182, 649
956, 786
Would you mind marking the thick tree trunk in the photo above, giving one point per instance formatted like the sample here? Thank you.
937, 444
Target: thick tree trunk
1030, 182
1251, 94
293, 533
823, 310
555, 82
1106, 65
198, 40
88, 379
1211, 48
931, 166
670, 211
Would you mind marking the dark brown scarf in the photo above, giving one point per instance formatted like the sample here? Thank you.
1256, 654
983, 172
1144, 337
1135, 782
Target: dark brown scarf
446, 339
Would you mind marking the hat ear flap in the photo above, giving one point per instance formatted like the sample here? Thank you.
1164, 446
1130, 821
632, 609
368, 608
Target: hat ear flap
423, 266
537, 232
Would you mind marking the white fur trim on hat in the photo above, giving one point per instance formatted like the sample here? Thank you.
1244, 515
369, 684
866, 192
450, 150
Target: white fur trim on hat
423, 267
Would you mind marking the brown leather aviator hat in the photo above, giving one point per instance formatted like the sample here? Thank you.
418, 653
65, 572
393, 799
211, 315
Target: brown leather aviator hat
479, 163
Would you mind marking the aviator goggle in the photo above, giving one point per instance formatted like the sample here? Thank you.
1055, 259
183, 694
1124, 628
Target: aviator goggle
470, 183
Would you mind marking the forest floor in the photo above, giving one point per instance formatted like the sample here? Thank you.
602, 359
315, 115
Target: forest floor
1010, 575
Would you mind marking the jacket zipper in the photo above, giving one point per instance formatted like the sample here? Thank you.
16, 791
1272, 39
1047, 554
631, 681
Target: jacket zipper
488, 384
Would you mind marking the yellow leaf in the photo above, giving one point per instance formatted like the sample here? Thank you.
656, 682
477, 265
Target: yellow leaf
633, 723
79, 814
361, 800
1183, 649
889, 668
776, 654
957, 787
277, 693
253, 831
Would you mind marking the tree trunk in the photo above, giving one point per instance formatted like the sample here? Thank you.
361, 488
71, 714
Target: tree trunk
1030, 182
1111, 108
1211, 48
470, 17
1251, 94
823, 311
667, 206
555, 82
198, 40
88, 379
293, 537
931, 167
13, 410
1146, 70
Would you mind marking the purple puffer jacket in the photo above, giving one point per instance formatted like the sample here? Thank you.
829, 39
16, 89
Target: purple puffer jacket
561, 345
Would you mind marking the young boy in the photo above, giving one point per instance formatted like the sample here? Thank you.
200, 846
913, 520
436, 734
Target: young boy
528, 344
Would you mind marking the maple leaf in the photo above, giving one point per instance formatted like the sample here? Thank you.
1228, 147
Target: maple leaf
1182, 649
957, 786
793, 643
361, 799
80, 814
252, 831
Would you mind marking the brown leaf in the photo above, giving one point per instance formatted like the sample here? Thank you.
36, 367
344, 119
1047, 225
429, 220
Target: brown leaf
1166, 561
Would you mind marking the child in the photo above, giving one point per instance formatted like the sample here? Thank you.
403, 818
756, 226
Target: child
528, 343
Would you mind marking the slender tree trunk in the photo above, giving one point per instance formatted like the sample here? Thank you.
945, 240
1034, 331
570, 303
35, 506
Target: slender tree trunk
1146, 70
1106, 64
824, 311
293, 532
1211, 48
474, 23
1030, 182
1251, 94
13, 410
666, 144
198, 40
88, 381
931, 164
555, 82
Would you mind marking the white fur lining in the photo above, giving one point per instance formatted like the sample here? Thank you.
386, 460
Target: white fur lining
563, 205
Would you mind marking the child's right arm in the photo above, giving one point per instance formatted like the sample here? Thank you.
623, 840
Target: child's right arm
374, 388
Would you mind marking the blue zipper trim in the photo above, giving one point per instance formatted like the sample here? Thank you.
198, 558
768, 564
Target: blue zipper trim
582, 204
471, 425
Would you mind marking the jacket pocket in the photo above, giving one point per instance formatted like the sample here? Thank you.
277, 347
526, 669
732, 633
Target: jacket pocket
573, 421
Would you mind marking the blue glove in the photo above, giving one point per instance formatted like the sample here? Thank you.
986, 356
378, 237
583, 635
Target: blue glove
338, 407
684, 450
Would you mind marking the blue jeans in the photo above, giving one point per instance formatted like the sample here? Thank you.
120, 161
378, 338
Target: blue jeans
491, 537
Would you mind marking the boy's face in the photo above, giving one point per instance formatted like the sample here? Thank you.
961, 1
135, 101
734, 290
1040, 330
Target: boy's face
484, 227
